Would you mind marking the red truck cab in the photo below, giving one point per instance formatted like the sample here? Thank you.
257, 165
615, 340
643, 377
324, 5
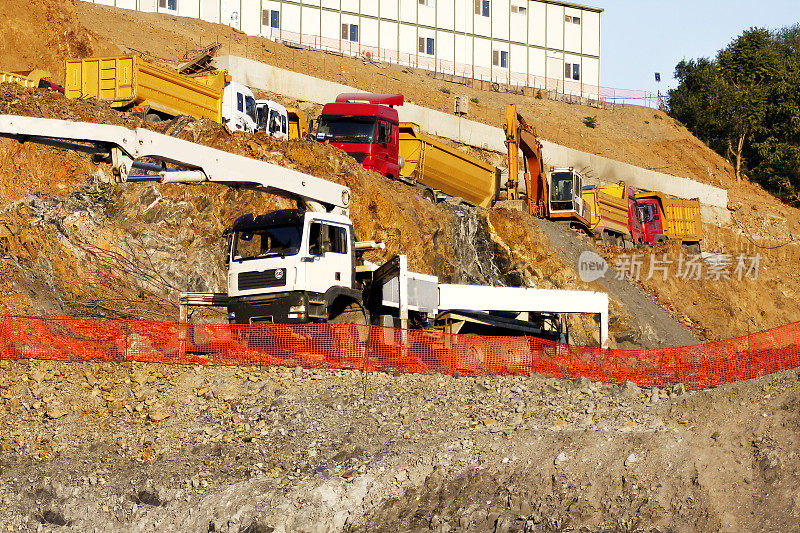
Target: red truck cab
634, 221
367, 127
651, 218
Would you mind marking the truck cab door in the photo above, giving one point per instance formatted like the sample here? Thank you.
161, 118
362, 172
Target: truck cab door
330, 257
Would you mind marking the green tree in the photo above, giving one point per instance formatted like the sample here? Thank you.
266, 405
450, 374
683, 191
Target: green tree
745, 104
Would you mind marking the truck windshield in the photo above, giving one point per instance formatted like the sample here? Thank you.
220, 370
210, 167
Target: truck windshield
270, 241
341, 128
561, 191
262, 112
250, 107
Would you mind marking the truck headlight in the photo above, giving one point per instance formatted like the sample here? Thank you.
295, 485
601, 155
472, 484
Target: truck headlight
297, 309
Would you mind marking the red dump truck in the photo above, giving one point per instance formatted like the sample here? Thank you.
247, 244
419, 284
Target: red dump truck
613, 214
367, 127
663, 217
625, 218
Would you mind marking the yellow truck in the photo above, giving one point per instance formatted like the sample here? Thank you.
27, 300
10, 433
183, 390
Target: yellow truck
131, 83
612, 217
33, 78
443, 170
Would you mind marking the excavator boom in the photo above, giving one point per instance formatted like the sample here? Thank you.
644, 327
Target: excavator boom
125, 149
520, 136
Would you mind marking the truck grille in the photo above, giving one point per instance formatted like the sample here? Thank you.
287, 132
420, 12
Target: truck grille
260, 280
359, 156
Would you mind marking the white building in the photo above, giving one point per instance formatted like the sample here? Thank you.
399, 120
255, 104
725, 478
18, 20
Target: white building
535, 43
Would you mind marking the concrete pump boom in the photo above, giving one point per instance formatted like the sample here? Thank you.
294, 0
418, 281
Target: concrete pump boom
124, 149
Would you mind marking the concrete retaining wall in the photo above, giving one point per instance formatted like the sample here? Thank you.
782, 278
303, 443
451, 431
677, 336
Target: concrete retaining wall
307, 88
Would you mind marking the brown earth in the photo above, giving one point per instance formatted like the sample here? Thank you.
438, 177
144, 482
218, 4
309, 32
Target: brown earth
147, 447
142, 447
41, 34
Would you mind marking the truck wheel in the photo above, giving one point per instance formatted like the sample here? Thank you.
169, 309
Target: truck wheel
428, 195
693, 248
352, 313
152, 117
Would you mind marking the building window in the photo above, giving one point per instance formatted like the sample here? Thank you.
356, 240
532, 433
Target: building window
572, 71
500, 58
350, 32
519, 9
573, 20
482, 7
271, 18
426, 46
172, 5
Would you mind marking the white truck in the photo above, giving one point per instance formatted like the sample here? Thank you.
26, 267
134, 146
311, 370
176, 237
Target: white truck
271, 117
306, 265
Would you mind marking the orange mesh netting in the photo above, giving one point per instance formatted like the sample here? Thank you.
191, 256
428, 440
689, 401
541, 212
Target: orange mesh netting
383, 349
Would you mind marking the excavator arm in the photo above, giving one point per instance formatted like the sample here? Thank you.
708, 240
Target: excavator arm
520, 136
171, 160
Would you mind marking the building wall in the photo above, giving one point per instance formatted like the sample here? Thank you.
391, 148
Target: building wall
538, 43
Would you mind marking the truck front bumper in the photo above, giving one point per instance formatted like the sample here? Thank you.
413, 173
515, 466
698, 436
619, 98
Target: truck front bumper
276, 308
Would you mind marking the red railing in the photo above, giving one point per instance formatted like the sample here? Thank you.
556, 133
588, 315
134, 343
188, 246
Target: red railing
466, 71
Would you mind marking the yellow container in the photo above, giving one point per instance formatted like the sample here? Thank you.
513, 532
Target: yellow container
128, 81
447, 169
610, 206
298, 124
28, 79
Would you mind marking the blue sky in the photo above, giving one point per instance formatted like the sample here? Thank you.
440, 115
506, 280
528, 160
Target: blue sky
641, 37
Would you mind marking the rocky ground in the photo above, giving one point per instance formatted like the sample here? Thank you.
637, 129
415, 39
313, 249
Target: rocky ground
142, 447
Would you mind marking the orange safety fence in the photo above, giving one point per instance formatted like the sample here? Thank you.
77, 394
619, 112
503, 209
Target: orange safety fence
393, 350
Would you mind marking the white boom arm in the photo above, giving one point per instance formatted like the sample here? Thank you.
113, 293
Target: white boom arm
124, 148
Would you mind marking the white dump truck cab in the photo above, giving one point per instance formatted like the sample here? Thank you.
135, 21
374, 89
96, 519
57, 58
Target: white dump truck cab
291, 266
239, 107
272, 118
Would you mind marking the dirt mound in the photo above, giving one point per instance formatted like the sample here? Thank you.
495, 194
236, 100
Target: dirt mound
145, 447
43, 33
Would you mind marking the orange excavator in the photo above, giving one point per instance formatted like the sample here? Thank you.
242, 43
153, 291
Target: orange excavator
556, 194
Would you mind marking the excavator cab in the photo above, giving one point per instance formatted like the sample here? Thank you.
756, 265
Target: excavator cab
565, 192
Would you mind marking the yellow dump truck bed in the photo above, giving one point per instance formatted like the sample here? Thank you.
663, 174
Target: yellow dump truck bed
130, 81
609, 208
447, 169
28, 79
298, 123
682, 219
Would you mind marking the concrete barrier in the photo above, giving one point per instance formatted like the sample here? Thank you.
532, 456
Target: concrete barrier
308, 88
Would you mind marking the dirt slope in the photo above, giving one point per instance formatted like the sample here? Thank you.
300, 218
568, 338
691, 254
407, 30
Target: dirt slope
43, 33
